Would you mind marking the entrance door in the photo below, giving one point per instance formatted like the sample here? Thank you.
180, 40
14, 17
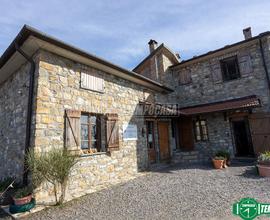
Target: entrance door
151, 141
260, 131
164, 145
186, 134
242, 139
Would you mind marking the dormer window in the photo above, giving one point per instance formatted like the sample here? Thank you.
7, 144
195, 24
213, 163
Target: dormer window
230, 69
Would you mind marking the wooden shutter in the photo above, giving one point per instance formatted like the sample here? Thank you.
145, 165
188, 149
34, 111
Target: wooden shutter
260, 131
73, 130
216, 71
112, 132
185, 76
92, 82
245, 64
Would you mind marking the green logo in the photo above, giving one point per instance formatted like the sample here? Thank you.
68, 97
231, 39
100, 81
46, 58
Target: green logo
249, 209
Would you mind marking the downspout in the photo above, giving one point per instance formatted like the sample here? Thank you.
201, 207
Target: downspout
264, 64
29, 106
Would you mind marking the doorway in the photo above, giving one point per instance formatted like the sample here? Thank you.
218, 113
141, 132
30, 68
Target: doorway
164, 144
242, 138
186, 134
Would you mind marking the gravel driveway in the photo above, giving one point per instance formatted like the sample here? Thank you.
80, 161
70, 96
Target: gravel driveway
193, 192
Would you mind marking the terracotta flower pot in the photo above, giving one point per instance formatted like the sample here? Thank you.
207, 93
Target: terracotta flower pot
22, 201
264, 170
218, 164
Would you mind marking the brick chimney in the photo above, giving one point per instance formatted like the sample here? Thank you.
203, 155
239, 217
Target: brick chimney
152, 45
247, 33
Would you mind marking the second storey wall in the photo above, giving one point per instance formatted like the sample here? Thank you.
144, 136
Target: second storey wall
204, 88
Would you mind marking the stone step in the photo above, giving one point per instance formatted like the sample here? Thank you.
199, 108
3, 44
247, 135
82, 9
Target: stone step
244, 160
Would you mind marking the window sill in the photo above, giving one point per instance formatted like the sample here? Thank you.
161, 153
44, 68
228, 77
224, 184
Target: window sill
93, 154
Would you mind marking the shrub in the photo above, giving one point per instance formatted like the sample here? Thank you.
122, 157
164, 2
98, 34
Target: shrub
219, 158
23, 192
5, 183
53, 166
223, 153
264, 157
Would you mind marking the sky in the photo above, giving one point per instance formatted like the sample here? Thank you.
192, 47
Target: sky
119, 30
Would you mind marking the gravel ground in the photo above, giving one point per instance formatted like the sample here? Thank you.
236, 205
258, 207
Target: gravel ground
193, 192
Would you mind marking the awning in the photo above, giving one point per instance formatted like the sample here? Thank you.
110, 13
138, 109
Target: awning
233, 104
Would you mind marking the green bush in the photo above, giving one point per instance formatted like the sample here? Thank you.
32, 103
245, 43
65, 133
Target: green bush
223, 153
23, 192
5, 183
219, 158
53, 166
264, 157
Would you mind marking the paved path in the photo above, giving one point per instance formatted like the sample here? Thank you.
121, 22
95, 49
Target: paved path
194, 192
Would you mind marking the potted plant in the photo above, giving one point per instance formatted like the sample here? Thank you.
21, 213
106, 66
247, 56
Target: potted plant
218, 162
226, 155
22, 196
264, 164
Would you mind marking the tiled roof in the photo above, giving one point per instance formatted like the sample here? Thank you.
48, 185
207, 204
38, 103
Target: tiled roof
240, 103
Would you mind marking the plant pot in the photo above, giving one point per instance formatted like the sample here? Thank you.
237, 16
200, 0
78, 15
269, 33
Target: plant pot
22, 201
264, 170
218, 164
13, 209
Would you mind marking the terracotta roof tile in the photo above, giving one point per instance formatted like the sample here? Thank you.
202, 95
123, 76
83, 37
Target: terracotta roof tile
240, 103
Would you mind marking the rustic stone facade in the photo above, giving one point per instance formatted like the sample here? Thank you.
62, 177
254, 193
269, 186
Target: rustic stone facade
204, 88
58, 90
13, 110
156, 66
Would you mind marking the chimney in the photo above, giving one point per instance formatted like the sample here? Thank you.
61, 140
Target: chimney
152, 45
247, 33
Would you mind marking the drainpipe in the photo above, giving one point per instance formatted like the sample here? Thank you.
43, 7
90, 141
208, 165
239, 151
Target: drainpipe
29, 108
264, 63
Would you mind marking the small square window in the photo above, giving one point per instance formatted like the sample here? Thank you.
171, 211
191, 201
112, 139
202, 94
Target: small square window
230, 69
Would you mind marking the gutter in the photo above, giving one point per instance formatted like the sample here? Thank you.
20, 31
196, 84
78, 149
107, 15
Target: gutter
264, 63
29, 107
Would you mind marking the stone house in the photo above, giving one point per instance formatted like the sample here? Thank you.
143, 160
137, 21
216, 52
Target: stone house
53, 95
76, 100
223, 100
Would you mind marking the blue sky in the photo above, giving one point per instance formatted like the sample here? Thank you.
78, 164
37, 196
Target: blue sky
119, 30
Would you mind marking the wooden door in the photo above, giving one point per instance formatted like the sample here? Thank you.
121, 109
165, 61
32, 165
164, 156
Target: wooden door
164, 144
260, 131
186, 133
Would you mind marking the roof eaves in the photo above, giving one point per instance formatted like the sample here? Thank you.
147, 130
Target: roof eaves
220, 49
26, 31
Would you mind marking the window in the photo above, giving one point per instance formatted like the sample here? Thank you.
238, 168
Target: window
150, 134
90, 132
230, 69
201, 132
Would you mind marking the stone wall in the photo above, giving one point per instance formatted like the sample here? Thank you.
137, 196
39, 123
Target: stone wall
204, 89
13, 111
156, 66
59, 89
